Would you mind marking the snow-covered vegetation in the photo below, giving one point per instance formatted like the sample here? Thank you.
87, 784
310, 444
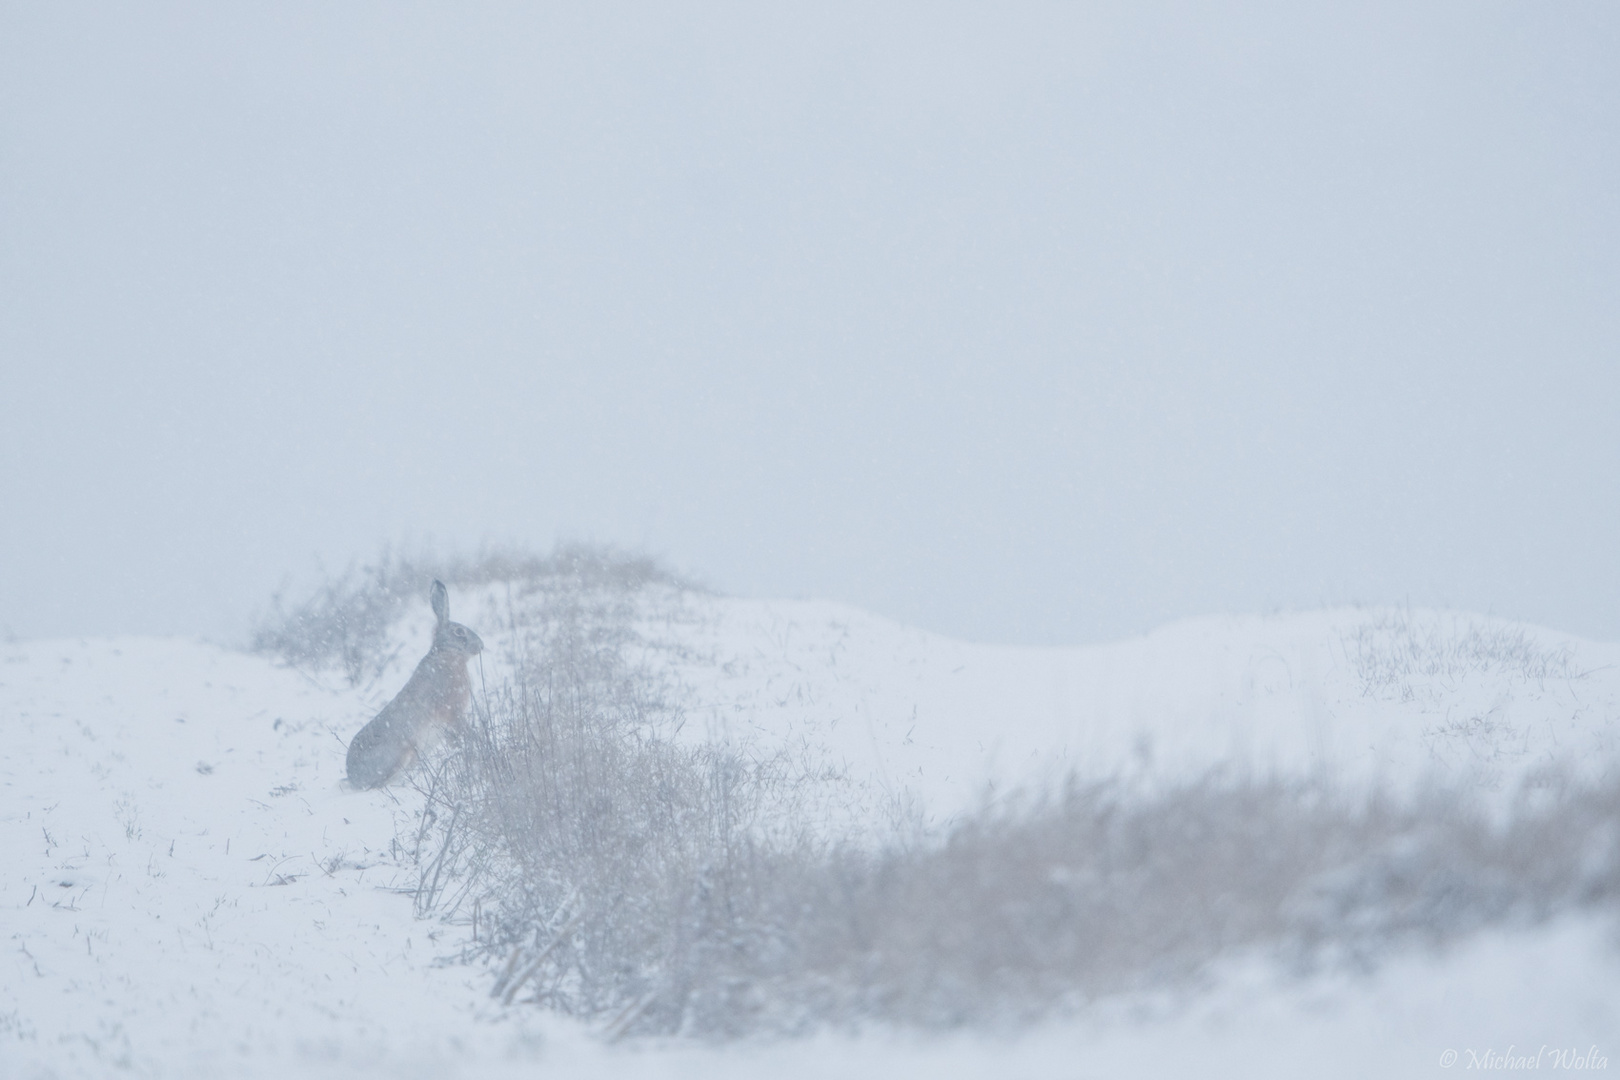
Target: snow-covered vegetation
674, 814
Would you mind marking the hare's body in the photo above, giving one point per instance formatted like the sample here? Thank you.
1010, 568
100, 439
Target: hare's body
433, 701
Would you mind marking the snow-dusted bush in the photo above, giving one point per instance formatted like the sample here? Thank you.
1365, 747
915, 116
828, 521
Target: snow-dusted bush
345, 623
602, 858
694, 924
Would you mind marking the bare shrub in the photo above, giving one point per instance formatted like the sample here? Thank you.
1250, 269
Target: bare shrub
1444, 865
603, 858
696, 924
344, 624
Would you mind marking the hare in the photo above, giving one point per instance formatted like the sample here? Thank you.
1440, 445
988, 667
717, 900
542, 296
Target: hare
431, 703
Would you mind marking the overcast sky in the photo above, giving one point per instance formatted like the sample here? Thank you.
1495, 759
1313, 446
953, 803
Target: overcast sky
1033, 323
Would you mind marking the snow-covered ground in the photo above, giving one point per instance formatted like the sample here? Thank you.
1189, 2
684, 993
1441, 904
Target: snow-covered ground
1389, 697
188, 890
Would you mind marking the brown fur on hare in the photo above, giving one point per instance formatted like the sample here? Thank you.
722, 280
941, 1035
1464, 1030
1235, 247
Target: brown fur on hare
431, 703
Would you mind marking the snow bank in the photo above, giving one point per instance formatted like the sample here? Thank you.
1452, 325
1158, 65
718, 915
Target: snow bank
1362, 696
188, 890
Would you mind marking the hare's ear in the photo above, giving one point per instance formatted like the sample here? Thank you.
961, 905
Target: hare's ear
441, 602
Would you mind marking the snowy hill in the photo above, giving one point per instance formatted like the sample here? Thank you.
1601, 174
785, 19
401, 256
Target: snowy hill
1386, 696
1365, 696
190, 891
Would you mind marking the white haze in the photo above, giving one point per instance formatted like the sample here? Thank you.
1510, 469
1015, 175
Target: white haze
1034, 323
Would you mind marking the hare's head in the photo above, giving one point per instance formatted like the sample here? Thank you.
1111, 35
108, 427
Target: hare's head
452, 636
